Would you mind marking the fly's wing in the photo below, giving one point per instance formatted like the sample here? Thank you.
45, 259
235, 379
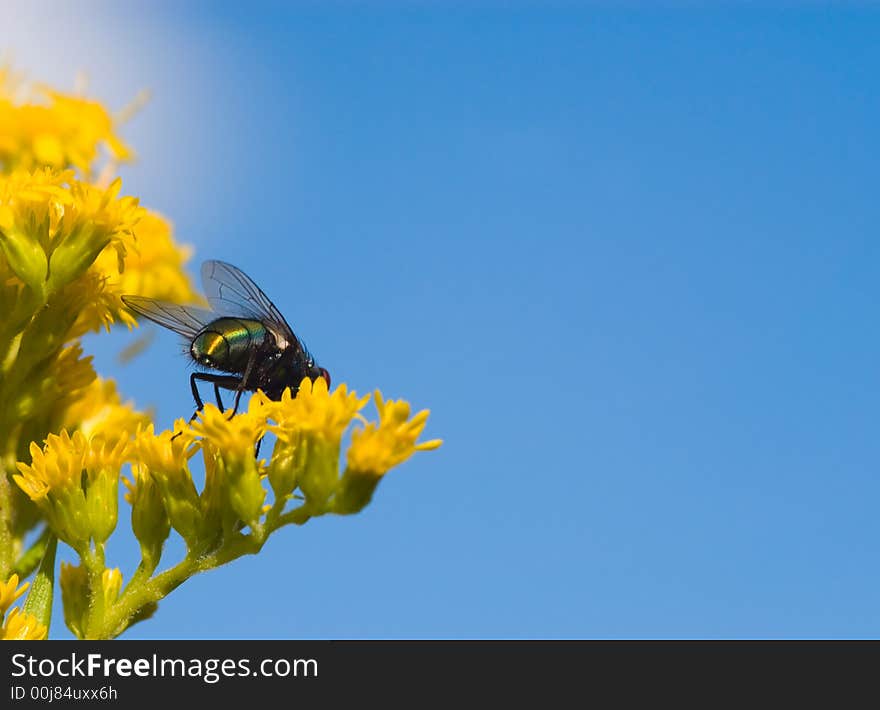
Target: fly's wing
188, 321
231, 292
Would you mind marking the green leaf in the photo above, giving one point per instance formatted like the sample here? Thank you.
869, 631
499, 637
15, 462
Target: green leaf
39, 600
29, 560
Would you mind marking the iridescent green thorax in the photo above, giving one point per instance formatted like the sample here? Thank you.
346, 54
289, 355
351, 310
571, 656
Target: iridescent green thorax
226, 344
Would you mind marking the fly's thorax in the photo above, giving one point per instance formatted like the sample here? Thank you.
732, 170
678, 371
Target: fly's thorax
287, 369
282, 369
228, 343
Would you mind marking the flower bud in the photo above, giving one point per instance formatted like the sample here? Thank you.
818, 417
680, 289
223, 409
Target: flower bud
74, 583
149, 521
245, 491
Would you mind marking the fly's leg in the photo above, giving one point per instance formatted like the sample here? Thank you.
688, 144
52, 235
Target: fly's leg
196, 396
238, 393
228, 382
195, 390
244, 378
242, 383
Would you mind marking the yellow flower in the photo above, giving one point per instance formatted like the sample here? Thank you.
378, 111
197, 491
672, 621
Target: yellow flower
31, 208
96, 304
52, 227
234, 436
71, 372
21, 626
153, 264
96, 219
55, 130
55, 468
313, 409
74, 481
166, 458
9, 592
99, 409
233, 489
167, 452
309, 429
377, 448
147, 264
39, 195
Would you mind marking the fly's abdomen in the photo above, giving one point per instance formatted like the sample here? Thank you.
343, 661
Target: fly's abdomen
227, 343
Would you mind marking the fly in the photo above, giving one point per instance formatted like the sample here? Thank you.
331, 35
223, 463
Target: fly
242, 338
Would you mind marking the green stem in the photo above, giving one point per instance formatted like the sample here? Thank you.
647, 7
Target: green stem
141, 574
142, 591
7, 538
297, 516
94, 563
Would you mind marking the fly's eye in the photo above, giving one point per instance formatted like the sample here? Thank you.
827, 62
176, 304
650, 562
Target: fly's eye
325, 375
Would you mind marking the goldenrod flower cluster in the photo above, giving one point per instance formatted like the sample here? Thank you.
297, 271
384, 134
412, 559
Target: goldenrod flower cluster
69, 248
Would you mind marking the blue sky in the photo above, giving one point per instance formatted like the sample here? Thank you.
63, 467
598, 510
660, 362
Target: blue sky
627, 257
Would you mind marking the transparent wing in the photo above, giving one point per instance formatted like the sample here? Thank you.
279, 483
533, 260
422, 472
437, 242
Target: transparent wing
232, 292
186, 320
